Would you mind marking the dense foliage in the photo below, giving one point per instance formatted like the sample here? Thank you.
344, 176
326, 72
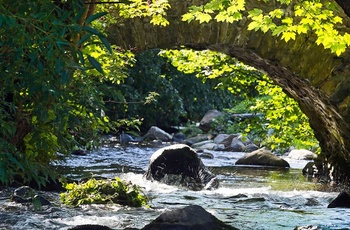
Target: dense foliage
283, 125
51, 85
103, 192
177, 97
280, 122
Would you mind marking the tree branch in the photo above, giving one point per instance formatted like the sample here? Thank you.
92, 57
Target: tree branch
122, 1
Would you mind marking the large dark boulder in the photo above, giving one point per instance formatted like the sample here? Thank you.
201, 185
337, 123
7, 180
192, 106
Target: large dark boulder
90, 227
341, 201
192, 217
180, 165
262, 157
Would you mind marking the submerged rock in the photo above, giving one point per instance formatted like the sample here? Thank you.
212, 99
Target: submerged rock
199, 138
309, 169
341, 201
180, 165
90, 227
309, 227
262, 157
191, 217
26, 194
155, 133
206, 155
79, 152
179, 137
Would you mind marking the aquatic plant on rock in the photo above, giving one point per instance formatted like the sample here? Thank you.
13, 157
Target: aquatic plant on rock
102, 192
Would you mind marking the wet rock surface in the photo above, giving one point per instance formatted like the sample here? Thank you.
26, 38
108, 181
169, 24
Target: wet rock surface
262, 157
191, 217
341, 201
180, 165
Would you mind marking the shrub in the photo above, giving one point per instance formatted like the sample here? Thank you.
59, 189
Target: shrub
102, 192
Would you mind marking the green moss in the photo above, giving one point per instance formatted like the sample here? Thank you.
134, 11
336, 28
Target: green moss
291, 181
102, 192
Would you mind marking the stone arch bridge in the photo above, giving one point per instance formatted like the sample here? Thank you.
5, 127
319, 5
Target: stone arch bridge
317, 79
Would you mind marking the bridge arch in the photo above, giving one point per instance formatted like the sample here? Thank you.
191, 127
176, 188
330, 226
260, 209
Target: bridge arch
317, 79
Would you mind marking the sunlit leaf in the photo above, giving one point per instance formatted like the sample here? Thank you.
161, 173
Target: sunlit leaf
288, 35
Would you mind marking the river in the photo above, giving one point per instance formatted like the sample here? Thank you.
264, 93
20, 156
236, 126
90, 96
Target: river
248, 197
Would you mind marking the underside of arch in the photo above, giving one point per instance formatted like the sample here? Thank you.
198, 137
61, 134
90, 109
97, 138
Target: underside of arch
313, 76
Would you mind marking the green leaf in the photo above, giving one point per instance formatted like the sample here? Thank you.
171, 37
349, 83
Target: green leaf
302, 29
80, 13
187, 17
95, 16
287, 21
255, 12
288, 35
202, 17
81, 57
92, 30
277, 13
83, 39
254, 26
106, 43
95, 64
338, 48
64, 77
278, 30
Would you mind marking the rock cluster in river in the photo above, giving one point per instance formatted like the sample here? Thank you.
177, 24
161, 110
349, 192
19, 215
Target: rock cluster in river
226, 142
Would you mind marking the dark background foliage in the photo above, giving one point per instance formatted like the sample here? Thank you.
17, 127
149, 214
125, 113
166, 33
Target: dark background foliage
182, 97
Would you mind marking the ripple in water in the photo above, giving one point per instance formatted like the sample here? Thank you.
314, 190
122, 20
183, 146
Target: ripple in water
248, 198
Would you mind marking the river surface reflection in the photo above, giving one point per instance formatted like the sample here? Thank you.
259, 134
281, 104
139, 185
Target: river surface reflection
248, 197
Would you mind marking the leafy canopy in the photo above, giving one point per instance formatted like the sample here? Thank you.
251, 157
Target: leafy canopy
228, 72
282, 123
154, 9
290, 19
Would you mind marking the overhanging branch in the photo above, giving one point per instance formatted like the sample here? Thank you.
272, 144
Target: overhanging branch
123, 1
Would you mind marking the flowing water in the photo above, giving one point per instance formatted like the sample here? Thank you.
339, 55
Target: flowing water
248, 197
